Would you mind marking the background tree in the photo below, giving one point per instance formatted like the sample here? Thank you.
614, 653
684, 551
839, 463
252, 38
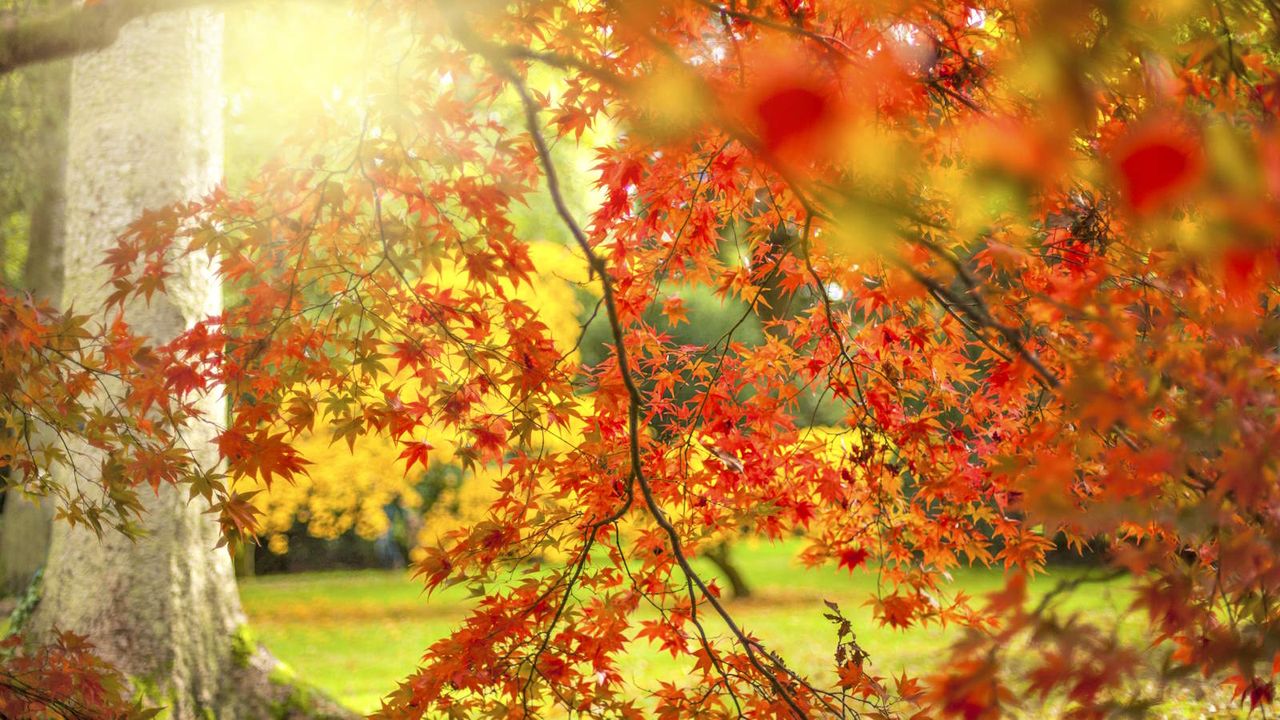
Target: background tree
145, 131
35, 103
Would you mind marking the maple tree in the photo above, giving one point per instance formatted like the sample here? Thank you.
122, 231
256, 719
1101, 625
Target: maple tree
1028, 246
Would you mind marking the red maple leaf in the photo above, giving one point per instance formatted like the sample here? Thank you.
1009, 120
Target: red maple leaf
790, 112
1155, 165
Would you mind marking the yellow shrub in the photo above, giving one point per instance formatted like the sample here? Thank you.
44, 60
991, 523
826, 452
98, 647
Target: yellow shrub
347, 486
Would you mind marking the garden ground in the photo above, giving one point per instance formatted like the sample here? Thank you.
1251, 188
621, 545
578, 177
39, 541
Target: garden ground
354, 634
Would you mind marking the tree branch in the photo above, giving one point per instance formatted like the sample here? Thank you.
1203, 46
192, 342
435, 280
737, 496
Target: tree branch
637, 477
73, 31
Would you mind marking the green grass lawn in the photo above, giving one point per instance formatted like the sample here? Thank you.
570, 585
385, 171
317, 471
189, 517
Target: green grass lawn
354, 634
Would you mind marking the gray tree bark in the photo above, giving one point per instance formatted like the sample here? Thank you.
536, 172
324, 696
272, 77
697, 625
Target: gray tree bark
145, 130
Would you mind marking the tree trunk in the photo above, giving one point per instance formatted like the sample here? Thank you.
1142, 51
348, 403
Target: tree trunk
719, 556
27, 523
145, 130
42, 273
246, 558
24, 539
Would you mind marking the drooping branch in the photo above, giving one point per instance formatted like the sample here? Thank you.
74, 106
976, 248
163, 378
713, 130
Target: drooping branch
637, 477
72, 31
